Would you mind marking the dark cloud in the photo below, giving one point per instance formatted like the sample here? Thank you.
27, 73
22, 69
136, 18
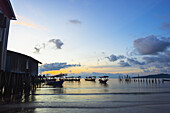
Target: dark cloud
158, 59
113, 58
150, 45
142, 67
166, 39
156, 68
57, 42
157, 51
122, 63
56, 66
134, 61
37, 49
167, 53
75, 21
158, 63
103, 53
165, 26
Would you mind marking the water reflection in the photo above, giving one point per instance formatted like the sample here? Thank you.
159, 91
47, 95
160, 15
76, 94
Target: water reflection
104, 85
19, 110
79, 93
58, 91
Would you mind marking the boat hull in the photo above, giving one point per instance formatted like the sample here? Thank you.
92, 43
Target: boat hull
55, 83
90, 79
103, 81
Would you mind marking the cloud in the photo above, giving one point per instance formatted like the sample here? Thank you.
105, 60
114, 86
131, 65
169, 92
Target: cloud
113, 58
165, 26
167, 53
75, 21
158, 63
27, 23
57, 42
122, 63
103, 53
103, 66
158, 59
56, 66
134, 61
150, 45
154, 55
37, 49
157, 51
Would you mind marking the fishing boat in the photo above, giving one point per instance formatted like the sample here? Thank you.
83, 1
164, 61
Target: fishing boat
90, 78
54, 80
77, 78
103, 79
69, 78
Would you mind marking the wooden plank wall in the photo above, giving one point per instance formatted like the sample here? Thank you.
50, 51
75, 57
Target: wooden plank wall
20, 63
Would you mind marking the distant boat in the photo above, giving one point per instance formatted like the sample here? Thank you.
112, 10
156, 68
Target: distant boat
103, 79
77, 78
90, 78
166, 80
69, 78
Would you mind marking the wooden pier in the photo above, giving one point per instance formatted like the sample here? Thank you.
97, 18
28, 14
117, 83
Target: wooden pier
141, 80
14, 86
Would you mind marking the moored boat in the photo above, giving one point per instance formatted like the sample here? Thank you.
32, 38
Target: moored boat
103, 79
90, 78
53, 80
55, 83
77, 78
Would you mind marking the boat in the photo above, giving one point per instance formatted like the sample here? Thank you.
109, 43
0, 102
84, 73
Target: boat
69, 78
77, 78
55, 83
166, 80
90, 78
103, 79
53, 80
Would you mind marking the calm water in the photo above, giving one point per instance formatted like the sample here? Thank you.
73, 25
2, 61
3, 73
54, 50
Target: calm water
93, 97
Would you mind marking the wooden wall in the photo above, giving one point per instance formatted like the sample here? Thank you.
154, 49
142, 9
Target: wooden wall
19, 63
4, 29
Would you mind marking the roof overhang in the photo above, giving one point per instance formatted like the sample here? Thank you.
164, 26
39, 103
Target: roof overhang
7, 9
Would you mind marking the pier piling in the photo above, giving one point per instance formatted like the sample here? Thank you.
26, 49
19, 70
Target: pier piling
14, 85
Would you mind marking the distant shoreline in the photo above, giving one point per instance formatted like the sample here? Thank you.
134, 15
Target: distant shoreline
154, 76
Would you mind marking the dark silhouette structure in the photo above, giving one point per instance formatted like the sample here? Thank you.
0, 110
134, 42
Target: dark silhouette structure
20, 63
18, 72
6, 14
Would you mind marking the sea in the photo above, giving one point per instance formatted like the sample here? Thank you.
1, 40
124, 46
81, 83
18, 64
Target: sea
139, 96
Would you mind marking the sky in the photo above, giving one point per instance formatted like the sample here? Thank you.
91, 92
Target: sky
87, 36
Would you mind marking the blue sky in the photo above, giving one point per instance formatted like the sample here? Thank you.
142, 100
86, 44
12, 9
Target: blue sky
89, 32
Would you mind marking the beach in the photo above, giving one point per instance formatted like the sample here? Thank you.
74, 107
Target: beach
89, 96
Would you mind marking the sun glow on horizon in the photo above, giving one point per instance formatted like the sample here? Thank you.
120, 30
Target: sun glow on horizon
77, 70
